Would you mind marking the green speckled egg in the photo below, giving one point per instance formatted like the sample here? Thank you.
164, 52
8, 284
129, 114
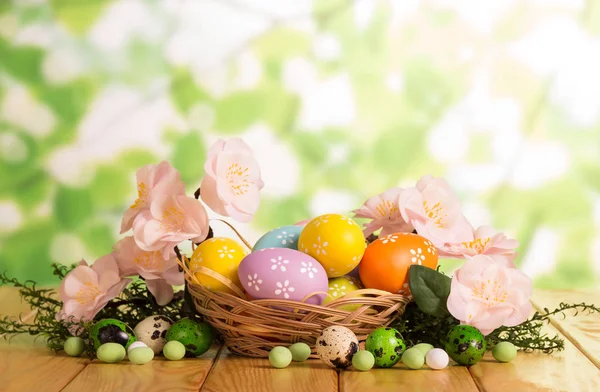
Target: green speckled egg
196, 337
111, 331
386, 345
465, 345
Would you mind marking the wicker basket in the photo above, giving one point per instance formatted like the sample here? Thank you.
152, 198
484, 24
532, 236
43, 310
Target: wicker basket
254, 327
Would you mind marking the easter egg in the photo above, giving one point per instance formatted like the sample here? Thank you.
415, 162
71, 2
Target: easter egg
110, 352
335, 241
174, 350
111, 331
74, 346
141, 355
465, 344
136, 344
280, 357
281, 273
336, 346
436, 359
220, 255
413, 358
386, 261
152, 331
196, 337
423, 347
300, 351
504, 352
363, 360
386, 345
282, 237
339, 287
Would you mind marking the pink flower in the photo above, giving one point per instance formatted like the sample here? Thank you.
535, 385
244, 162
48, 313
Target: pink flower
434, 210
170, 220
150, 179
303, 222
232, 182
485, 241
86, 290
486, 294
384, 211
159, 273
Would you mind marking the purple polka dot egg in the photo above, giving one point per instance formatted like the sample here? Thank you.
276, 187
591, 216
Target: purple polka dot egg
282, 273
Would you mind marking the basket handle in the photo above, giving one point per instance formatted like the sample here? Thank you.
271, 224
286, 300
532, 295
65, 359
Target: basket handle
236, 232
215, 275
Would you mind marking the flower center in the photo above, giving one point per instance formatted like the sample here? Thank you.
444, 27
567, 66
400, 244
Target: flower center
237, 178
490, 293
478, 245
387, 209
172, 219
149, 260
435, 213
142, 196
87, 294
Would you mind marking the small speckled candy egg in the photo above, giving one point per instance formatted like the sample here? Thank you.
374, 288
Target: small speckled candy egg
152, 331
196, 337
220, 255
336, 346
465, 344
280, 273
335, 241
111, 331
282, 237
386, 345
436, 359
339, 287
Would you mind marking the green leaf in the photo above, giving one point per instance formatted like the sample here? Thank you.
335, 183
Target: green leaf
78, 18
73, 206
98, 238
188, 157
70, 102
430, 289
238, 111
185, 92
110, 187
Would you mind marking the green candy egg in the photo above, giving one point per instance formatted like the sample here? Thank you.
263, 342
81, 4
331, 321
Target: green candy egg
504, 352
413, 358
280, 357
363, 360
465, 345
423, 347
300, 351
386, 345
174, 350
74, 346
111, 331
110, 352
141, 355
196, 337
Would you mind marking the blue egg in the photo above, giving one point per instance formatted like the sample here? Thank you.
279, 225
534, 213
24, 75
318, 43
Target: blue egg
282, 237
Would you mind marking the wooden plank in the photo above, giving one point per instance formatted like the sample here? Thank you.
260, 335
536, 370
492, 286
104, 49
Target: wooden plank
159, 375
584, 329
34, 368
569, 370
399, 378
237, 373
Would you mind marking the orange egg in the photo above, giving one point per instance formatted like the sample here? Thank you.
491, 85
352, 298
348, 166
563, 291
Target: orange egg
386, 261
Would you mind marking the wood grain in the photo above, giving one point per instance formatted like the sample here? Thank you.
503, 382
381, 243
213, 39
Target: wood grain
569, 370
236, 373
400, 378
29, 368
159, 375
584, 329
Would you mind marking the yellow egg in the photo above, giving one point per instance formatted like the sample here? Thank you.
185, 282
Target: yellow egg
339, 287
335, 241
220, 255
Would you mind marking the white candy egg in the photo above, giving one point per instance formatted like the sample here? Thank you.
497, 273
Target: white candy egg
136, 345
436, 359
336, 346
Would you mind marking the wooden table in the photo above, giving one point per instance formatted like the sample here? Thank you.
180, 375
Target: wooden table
28, 366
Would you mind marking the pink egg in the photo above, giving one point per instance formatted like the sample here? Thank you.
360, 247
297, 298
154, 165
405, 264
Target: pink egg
281, 273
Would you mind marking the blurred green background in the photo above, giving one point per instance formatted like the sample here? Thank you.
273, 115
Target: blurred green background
339, 99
